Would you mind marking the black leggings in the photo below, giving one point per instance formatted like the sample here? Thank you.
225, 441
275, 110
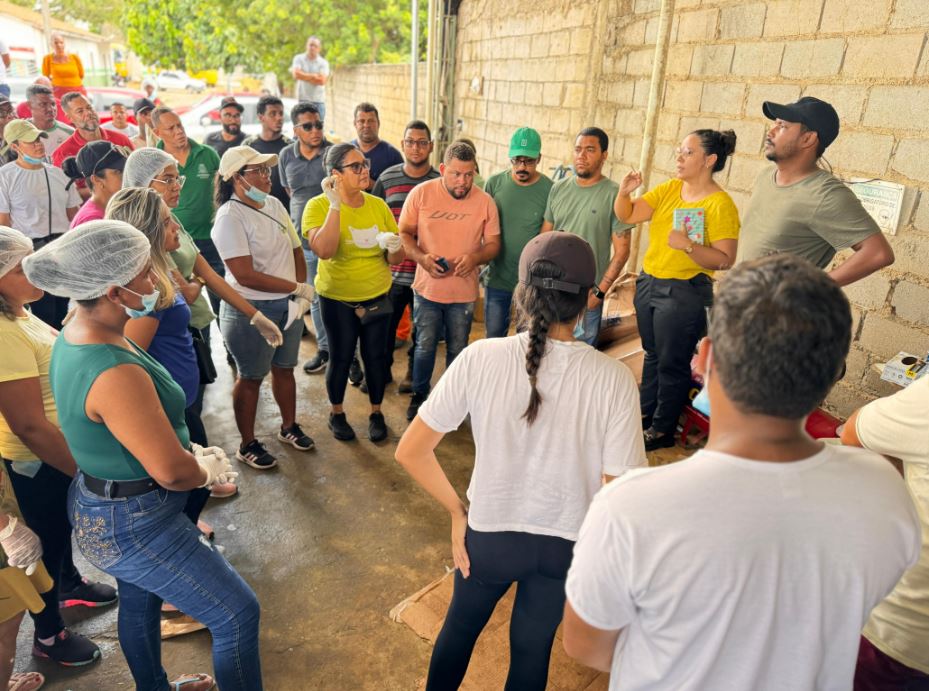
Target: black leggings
343, 328
539, 565
43, 502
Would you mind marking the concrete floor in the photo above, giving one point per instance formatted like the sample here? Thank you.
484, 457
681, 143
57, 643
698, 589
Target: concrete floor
330, 540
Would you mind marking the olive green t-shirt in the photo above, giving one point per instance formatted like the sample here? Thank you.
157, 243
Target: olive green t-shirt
812, 218
521, 209
588, 213
96, 451
184, 258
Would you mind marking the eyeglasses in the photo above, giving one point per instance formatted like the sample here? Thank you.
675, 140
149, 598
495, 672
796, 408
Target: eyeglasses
263, 171
171, 180
357, 168
684, 153
417, 143
310, 126
523, 161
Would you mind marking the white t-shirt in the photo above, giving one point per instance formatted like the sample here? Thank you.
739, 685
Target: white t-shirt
130, 130
307, 91
731, 574
898, 426
24, 196
267, 234
57, 135
541, 478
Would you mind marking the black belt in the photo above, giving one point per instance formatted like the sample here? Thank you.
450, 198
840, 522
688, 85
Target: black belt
117, 489
41, 242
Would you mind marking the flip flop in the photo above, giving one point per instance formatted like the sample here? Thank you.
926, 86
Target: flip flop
192, 679
26, 681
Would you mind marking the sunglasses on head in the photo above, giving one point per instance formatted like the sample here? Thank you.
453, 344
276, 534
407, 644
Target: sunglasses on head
310, 126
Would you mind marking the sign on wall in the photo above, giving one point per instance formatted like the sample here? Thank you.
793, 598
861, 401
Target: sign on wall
882, 200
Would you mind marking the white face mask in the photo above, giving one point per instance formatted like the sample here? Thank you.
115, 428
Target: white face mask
148, 303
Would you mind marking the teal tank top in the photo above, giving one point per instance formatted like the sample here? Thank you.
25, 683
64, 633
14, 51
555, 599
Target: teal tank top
74, 369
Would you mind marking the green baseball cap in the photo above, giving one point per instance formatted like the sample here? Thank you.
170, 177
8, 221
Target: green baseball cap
22, 131
525, 142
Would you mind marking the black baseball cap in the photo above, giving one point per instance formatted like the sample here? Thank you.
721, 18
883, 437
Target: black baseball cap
142, 104
100, 155
817, 115
230, 102
570, 253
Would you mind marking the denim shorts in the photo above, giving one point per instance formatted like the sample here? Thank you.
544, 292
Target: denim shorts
252, 354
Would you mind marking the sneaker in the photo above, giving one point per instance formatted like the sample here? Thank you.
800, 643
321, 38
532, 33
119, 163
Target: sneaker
417, 400
255, 455
69, 649
88, 594
363, 387
406, 384
658, 440
377, 428
341, 430
317, 364
355, 374
296, 437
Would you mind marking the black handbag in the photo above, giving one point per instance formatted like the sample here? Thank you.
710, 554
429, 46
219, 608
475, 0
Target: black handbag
372, 310
204, 357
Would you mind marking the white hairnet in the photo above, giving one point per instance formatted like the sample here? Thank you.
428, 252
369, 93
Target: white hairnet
13, 247
144, 164
84, 262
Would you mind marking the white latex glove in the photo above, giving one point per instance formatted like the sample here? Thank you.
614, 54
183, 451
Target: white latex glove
198, 450
216, 466
330, 187
295, 310
390, 242
22, 546
305, 291
268, 329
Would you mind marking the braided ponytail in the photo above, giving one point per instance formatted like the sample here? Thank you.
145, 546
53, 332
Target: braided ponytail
538, 332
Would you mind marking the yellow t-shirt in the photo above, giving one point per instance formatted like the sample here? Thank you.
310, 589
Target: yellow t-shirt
721, 222
26, 344
358, 270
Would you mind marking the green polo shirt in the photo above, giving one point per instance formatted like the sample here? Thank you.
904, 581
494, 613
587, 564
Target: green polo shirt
195, 210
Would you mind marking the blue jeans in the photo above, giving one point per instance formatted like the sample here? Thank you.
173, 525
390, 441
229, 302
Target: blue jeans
5, 90
592, 325
312, 265
253, 355
497, 311
432, 319
157, 554
321, 107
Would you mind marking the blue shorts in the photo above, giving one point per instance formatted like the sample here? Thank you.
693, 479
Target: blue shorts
251, 352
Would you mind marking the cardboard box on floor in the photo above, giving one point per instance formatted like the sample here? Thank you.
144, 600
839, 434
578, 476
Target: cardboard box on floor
621, 340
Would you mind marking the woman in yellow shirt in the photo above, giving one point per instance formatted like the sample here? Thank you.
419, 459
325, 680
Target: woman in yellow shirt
64, 69
694, 230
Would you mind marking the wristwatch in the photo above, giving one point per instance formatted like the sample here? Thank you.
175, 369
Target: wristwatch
599, 294
200, 280
689, 249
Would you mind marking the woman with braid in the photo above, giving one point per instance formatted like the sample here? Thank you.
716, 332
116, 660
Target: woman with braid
552, 419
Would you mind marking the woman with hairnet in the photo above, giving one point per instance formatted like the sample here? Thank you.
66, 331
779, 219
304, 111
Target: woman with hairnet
36, 456
123, 417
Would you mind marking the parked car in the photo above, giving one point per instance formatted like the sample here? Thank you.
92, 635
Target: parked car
178, 79
103, 98
203, 118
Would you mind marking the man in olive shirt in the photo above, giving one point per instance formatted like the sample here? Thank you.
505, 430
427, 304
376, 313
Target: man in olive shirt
802, 209
583, 205
521, 194
197, 164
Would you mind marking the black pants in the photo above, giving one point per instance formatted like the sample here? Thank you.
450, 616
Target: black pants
671, 315
211, 254
51, 309
539, 565
400, 298
344, 328
43, 502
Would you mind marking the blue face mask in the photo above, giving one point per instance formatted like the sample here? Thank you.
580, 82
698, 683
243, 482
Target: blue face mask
32, 159
578, 332
255, 194
148, 303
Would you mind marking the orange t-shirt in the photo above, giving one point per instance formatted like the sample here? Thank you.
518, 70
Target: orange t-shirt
449, 227
70, 73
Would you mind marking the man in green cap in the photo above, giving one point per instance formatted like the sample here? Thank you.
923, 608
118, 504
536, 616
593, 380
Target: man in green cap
520, 195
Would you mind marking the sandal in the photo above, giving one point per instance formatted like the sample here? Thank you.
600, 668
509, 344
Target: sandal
26, 681
224, 490
207, 530
188, 679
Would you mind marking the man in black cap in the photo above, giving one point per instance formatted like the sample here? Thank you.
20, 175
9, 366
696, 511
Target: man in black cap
142, 109
802, 209
6, 114
230, 113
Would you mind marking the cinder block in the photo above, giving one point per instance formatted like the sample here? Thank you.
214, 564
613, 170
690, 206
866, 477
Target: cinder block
777, 93
723, 97
899, 107
792, 17
640, 93
844, 400
712, 59
630, 121
910, 252
743, 171
680, 58
574, 95
843, 16
742, 21
911, 303
621, 92
750, 134
581, 40
873, 384
884, 57
862, 152
847, 100
912, 159
699, 25
639, 62
869, 293
921, 215
885, 337
643, 6
539, 46
689, 124
551, 94
533, 94
910, 13
816, 58
683, 96
856, 366
758, 59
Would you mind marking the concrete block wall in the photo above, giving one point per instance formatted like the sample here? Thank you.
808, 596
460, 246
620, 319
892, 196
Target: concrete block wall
558, 65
